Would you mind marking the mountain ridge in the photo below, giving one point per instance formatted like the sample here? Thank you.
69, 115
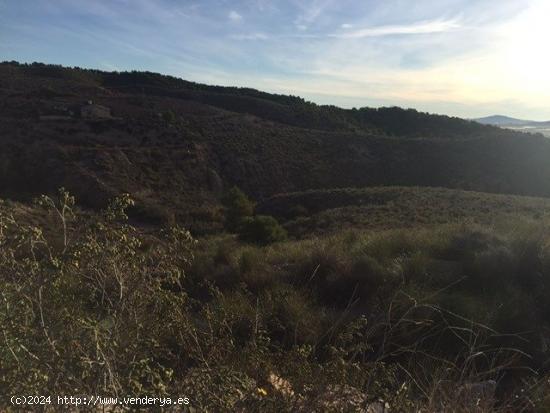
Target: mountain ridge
503, 120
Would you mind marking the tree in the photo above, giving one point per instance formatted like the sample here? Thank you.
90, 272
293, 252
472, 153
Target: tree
262, 229
237, 208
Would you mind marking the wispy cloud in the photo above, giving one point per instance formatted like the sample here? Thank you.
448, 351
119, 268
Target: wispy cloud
345, 52
310, 12
425, 27
250, 36
234, 16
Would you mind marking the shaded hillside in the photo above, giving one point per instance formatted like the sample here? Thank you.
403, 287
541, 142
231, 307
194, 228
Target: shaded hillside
290, 110
176, 145
381, 208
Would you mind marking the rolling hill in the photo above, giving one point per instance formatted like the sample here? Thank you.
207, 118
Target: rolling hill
320, 212
177, 145
499, 120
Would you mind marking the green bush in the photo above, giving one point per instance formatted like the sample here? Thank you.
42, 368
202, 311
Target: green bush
262, 229
237, 208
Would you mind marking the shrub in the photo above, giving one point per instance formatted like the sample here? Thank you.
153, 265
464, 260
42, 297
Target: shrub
292, 318
169, 117
254, 271
262, 229
320, 264
237, 208
150, 213
82, 313
297, 211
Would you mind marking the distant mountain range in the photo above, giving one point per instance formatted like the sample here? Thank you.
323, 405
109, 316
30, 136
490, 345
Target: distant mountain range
506, 121
516, 124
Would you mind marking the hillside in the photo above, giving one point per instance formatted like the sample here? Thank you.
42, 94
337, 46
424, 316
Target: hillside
176, 145
373, 258
323, 212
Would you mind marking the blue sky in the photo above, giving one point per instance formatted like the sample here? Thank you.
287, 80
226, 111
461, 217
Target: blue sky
460, 57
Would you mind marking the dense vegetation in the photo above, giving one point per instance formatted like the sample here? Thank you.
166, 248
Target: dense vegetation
177, 146
93, 305
257, 252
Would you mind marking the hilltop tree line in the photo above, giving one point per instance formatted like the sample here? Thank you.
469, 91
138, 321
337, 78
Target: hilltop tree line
293, 110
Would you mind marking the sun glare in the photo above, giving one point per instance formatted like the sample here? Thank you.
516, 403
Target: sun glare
525, 52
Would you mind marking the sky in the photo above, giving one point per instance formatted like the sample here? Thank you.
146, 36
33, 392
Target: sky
467, 58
